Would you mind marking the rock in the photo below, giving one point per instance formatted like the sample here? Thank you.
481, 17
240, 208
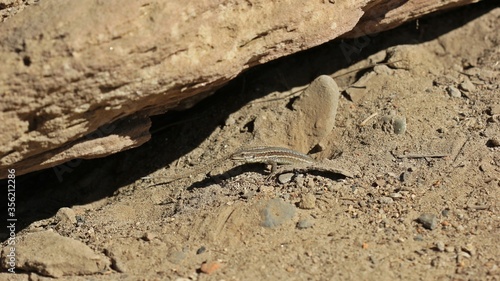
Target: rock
493, 110
201, 250
399, 124
266, 189
453, 92
396, 195
49, 254
66, 216
148, 236
385, 200
209, 267
438, 262
285, 177
277, 212
428, 221
383, 69
358, 90
449, 249
493, 142
67, 71
470, 249
467, 86
404, 176
308, 201
440, 246
313, 117
248, 194
176, 256
305, 223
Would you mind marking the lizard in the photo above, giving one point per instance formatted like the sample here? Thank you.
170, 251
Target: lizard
293, 160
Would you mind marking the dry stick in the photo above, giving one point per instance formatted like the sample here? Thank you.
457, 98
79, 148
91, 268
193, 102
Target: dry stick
292, 94
368, 119
174, 123
301, 89
366, 67
478, 207
460, 150
411, 155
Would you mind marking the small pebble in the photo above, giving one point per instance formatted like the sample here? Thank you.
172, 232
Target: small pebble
308, 201
277, 212
385, 200
453, 92
399, 125
248, 194
449, 249
383, 69
266, 189
440, 246
467, 86
176, 256
396, 195
428, 221
285, 178
470, 249
438, 262
66, 216
493, 142
148, 236
494, 110
464, 254
445, 212
404, 176
391, 174
305, 223
201, 250
209, 267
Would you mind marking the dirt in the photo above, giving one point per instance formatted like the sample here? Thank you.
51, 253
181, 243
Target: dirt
420, 133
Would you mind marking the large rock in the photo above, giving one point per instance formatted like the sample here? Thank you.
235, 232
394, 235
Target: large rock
79, 79
47, 253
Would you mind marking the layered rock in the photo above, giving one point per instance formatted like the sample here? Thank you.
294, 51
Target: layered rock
80, 78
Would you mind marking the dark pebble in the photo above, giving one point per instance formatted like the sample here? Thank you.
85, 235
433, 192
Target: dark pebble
428, 221
201, 250
493, 142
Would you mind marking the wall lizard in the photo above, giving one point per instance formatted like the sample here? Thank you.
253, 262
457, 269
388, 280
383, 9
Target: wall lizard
288, 159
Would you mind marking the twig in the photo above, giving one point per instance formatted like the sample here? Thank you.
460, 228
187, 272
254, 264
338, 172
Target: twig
478, 207
460, 150
364, 68
422, 156
292, 94
301, 89
368, 119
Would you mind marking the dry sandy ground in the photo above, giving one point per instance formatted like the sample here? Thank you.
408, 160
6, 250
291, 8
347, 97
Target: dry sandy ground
420, 135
